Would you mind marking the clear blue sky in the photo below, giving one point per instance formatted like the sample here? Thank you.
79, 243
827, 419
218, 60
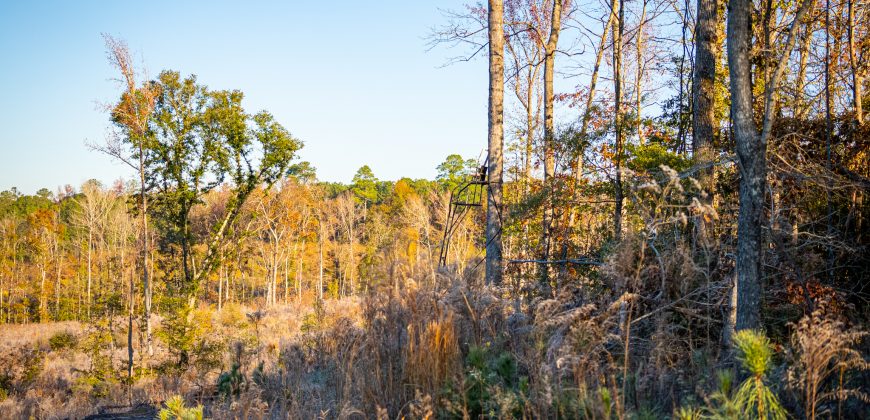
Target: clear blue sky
351, 79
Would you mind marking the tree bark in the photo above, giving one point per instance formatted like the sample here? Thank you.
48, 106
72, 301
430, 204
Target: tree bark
801, 105
320, 240
752, 165
618, 29
59, 261
130, 311
751, 150
707, 47
857, 76
90, 241
549, 133
638, 80
496, 142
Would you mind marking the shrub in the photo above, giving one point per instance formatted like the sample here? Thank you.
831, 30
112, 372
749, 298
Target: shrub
188, 334
19, 369
62, 341
97, 345
229, 383
493, 388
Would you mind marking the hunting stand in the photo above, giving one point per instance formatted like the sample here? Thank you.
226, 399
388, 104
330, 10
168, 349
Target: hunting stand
463, 197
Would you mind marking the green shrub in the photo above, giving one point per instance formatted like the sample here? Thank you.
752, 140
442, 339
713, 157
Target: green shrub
651, 156
5, 385
32, 361
493, 387
722, 404
97, 344
188, 333
62, 341
229, 384
753, 398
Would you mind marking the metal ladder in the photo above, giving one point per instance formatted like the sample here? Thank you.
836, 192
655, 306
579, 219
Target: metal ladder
462, 197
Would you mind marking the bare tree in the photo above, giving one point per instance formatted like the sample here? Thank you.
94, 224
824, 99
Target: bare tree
131, 114
639, 70
348, 215
593, 81
273, 227
526, 50
93, 206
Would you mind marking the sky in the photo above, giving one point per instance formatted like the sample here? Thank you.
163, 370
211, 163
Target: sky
353, 80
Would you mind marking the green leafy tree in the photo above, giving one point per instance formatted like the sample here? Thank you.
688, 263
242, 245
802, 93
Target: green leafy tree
203, 139
365, 185
454, 170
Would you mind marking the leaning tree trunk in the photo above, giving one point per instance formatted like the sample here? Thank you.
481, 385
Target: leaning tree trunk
496, 141
593, 81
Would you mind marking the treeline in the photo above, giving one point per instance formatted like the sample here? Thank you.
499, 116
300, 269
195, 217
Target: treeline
70, 255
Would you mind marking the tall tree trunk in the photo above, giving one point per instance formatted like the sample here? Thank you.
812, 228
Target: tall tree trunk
43, 296
299, 273
638, 79
320, 244
143, 251
220, 290
801, 105
752, 165
274, 279
287, 278
531, 116
496, 142
857, 77
130, 310
352, 264
618, 29
90, 241
59, 260
549, 135
751, 150
707, 47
